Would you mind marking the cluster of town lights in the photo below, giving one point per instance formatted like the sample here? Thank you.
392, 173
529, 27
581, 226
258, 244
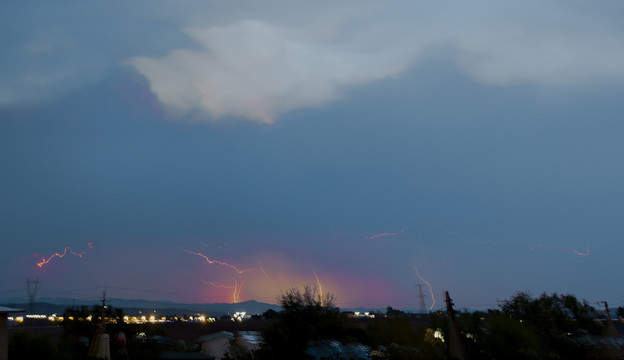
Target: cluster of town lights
238, 316
142, 319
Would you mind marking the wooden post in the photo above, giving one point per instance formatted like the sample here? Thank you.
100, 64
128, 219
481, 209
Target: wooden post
454, 348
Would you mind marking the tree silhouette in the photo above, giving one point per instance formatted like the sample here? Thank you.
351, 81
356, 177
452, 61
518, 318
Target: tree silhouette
307, 316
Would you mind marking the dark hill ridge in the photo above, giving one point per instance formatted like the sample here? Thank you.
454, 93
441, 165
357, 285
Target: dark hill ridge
48, 306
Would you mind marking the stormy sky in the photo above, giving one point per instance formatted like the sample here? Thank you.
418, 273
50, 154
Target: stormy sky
206, 151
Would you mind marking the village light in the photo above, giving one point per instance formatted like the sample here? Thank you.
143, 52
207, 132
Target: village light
238, 316
438, 335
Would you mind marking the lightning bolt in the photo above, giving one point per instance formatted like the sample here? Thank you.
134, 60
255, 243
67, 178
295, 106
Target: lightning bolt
585, 253
382, 235
320, 287
211, 261
45, 261
426, 282
580, 253
237, 289
262, 269
90, 245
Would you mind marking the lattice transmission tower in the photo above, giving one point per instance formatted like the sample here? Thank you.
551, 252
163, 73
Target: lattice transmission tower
31, 287
421, 298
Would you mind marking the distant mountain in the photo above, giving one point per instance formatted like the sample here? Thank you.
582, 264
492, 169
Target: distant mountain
48, 305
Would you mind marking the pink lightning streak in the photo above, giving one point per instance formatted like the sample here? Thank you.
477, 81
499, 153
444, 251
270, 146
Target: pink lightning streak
426, 282
381, 235
585, 253
45, 261
211, 261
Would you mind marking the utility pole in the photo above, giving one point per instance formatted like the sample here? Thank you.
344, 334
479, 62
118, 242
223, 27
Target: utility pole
454, 348
99, 348
102, 323
32, 292
421, 298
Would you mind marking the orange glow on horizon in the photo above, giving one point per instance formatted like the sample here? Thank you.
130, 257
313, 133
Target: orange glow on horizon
237, 289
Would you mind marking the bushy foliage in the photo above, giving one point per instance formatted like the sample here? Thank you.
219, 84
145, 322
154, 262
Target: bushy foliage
550, 326
307, 316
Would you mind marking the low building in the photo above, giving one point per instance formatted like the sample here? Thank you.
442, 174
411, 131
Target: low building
4, 331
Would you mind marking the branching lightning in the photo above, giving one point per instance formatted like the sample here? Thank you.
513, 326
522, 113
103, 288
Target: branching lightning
211, 261
428, 285
237, 289
45, 261
320, 287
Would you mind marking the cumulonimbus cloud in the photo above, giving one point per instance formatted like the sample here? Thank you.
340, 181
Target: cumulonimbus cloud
259, 71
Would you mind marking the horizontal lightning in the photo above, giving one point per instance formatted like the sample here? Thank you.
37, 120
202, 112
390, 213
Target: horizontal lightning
584, 253
212, 261
45, 261
381, 235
